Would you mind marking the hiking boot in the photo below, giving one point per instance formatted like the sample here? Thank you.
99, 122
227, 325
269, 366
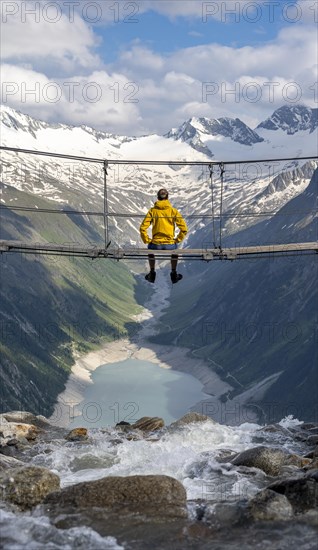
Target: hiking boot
175, 277
151, 277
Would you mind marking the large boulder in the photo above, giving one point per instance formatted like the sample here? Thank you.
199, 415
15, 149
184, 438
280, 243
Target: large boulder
152, 495
18, 430
189, 418
77, 434
149, 424
25, 417
269, 459
267, 505
301, 491
27, 486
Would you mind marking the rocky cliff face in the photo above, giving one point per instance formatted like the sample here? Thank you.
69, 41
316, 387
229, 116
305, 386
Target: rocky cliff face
226, 127
292, 120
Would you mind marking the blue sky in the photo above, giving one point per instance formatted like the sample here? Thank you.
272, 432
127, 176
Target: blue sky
166, 35
137, 67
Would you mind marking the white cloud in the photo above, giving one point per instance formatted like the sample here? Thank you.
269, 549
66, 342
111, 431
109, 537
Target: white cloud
102, 100
144, 91
249, 82
292, 49
225, 11
70, 43
139, 57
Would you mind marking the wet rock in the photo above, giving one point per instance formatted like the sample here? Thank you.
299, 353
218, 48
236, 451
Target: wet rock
268, 459
189, 418
25, 417
312, 440
7, 462
312, 454
310, 517
302, 436
18, 416
196, 509
152, 439
116, 441
77, 434
152, 495
149, 424
124, 427
224, 455
3, 420
16, 430
27, 486
268, 505
274, 428
290, 471
225, 514
312, 465
129, 433
134, 435
89, 461
12, 442
302, 491
308, 426
9, 450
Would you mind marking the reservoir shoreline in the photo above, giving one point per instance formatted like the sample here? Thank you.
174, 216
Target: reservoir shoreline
168, 357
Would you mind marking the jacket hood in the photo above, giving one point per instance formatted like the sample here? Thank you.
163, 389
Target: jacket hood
162, 205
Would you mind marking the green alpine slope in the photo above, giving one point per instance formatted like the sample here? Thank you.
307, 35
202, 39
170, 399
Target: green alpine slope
53, 307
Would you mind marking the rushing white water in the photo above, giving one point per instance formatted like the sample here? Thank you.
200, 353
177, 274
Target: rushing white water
188, 453
37, 533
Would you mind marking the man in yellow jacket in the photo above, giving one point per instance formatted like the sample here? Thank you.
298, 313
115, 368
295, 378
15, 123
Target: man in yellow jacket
163, 218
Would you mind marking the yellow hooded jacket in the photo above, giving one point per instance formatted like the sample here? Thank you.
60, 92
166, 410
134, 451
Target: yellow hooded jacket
163, 218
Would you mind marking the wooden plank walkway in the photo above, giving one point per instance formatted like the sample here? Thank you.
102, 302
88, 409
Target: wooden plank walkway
205, 254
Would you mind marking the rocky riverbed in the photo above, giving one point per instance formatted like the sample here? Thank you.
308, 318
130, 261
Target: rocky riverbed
194, 484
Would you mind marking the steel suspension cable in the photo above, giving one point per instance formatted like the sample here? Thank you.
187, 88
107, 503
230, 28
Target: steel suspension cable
106, 228
247, 214
212, 204
222, 170
151, 162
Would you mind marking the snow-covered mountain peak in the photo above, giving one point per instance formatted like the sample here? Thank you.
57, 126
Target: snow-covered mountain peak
291, 119
264, 187
16, 120
196, 130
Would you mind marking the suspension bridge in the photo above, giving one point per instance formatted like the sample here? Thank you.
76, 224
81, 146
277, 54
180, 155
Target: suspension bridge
216, 252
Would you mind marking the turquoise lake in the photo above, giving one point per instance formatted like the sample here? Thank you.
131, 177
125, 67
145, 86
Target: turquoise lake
130, 389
